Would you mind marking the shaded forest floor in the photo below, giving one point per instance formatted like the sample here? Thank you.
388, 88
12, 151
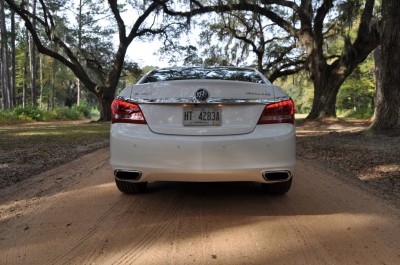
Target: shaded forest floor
31, 148
340, 146
345, 148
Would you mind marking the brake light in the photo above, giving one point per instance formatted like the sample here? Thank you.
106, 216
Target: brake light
280, 112
125, 112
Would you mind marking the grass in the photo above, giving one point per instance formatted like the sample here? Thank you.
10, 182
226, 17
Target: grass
52, 134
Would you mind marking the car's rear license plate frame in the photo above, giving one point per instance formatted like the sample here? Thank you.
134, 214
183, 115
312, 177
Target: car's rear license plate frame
202, 115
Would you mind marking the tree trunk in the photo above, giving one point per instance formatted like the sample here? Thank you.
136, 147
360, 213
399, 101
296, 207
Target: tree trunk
327, 80
53, 80
13, 62
326, 89
5, 77
387, 111
378, 80
80, 26
105, 97
25, 85
32, 60
41, 80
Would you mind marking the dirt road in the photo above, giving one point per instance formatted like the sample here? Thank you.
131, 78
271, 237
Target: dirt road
74, 214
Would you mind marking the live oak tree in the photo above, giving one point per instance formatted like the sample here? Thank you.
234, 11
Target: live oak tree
230, 38
387, 112
91, 35
312, 24
243, 33
53, 39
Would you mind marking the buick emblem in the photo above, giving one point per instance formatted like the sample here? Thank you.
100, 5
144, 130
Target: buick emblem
202, 94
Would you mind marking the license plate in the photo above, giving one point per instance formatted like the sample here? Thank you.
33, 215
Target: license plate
202, 116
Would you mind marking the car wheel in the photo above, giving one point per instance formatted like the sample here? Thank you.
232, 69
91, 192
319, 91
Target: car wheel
278, 188
131, 188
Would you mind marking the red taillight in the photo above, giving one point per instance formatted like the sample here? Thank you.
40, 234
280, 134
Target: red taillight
280, 112
122, 111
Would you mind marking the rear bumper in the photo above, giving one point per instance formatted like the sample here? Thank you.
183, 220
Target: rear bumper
203, 158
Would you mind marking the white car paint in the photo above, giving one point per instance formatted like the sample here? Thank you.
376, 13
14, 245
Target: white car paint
163, 148
163, 157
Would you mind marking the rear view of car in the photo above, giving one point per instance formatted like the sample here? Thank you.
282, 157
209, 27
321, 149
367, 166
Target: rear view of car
203, 124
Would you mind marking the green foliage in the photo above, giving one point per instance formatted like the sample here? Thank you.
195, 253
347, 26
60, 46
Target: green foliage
191, 56
358, 91
83, 109
8, 117
30, 113
347, 12
300, 88
21, 115
130, 75
74, 113
360, 113
354, 100
66, 114
147, 69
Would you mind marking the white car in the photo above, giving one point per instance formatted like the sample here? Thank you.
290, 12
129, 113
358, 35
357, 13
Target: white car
203, 124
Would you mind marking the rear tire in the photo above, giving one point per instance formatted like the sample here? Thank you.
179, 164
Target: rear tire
278, 188
130, 187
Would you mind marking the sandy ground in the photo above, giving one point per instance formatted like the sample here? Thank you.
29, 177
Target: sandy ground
74, 214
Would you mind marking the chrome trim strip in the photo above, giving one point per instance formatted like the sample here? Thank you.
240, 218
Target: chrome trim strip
192, 100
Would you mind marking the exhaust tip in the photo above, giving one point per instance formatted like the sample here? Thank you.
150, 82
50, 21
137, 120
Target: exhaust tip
277, 176
124, 175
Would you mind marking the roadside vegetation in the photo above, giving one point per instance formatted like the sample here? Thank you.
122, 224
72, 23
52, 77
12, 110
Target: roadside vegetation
30, 114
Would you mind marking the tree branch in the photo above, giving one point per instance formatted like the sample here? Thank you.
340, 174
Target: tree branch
74, 65
322, 11
120, 22
242, 6
135, 29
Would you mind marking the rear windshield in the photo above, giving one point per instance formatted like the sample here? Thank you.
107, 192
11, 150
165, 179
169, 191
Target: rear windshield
216, 73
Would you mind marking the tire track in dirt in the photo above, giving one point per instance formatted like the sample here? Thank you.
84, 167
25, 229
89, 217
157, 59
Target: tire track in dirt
22, 205
33, 197
115, 210
164, 220
116, 222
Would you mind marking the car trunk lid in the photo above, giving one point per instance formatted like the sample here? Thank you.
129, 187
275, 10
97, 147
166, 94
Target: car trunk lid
231, 107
